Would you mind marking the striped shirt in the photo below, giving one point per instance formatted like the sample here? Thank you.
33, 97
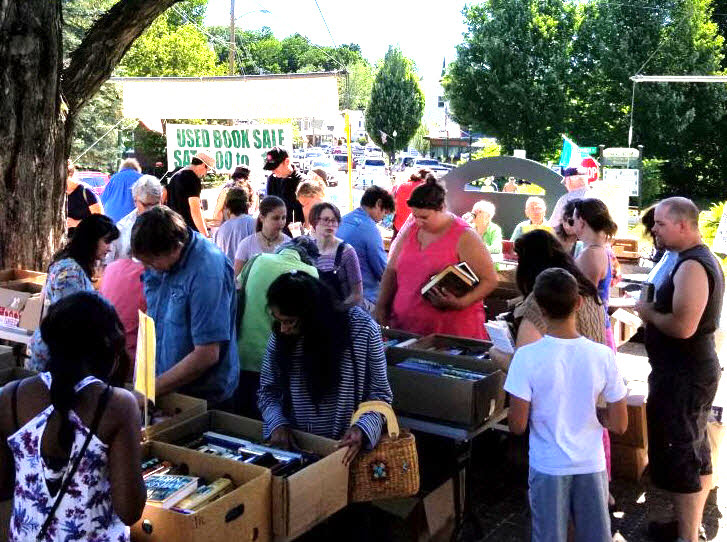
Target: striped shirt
363, 378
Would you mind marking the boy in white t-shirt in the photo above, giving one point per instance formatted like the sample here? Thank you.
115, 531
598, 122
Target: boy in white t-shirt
554, 385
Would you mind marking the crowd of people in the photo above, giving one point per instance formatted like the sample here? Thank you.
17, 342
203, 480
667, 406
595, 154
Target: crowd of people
276, 315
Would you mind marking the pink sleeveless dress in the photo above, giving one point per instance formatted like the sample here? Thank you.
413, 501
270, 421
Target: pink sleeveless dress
410, 311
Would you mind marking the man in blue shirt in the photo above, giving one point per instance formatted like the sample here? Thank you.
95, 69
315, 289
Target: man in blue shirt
358, 229
190, 294
116, 198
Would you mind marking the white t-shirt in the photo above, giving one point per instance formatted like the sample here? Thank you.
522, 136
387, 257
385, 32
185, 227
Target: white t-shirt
562, 379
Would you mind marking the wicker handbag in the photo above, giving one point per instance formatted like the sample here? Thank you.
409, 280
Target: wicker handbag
391, 469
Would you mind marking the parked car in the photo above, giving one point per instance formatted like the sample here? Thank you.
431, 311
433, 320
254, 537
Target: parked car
429, 163
341, 161
310, 156
95, 179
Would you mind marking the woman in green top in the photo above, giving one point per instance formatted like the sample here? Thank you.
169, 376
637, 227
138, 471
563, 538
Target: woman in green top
491, 234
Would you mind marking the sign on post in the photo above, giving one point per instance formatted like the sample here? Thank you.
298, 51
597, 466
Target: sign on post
591, 167
624, 177
231, 146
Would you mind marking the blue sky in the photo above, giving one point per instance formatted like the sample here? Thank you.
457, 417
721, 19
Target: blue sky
426, 32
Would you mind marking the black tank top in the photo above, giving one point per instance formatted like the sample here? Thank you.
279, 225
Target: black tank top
698, 351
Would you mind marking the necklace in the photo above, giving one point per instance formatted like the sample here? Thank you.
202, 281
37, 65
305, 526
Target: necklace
269, 242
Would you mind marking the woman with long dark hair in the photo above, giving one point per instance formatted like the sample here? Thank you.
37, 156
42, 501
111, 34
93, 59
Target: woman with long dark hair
268, 232
321, 362
73, 269
537, 251
70, 452
565, 232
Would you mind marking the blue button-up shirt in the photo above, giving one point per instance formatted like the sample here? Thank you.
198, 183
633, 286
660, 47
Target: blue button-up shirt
117, 199
359, 230
192, 304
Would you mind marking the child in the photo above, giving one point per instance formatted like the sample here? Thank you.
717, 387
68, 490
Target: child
554, 385
69, 442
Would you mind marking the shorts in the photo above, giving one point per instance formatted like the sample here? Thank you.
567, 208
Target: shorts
677, 412
555, 499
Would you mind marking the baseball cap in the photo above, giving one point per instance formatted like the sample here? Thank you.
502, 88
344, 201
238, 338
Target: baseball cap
570, 171
206, 159
274, 158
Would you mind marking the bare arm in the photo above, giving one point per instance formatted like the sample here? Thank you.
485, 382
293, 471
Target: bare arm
189, 369
592, 262
238, 265
691, 292
128, 492
96, 208
195, 209
219, 206
617, 417
518, 414
356, 295
387, 289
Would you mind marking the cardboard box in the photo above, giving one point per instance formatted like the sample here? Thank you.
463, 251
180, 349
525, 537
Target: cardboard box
430, 517
399, 335
9, 275
636, 434
181, 407
7, 358
625, 324
436, 343
243, 514
21, 305
299, 501
628, 462
464, 402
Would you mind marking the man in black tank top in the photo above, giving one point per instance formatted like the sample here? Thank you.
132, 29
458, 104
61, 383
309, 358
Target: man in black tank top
685, 370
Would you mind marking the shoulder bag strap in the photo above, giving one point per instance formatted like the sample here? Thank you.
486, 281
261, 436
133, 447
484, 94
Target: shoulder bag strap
103, 401
339, 256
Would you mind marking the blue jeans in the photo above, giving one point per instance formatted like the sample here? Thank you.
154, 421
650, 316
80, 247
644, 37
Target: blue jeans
556, 499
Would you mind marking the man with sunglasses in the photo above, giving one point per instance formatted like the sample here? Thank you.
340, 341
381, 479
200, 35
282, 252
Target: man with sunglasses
575, 180
185, 188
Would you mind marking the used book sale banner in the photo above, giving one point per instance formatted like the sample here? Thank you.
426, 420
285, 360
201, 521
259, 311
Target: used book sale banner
232, 146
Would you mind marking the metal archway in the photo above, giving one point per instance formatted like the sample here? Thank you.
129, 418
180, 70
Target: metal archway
510, 207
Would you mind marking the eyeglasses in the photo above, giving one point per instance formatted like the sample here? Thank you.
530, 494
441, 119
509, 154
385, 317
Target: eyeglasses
328, 221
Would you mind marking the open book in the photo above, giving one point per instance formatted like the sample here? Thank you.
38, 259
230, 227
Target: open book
457, 279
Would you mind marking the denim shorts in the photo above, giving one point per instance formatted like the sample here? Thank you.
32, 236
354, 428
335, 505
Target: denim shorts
555, 499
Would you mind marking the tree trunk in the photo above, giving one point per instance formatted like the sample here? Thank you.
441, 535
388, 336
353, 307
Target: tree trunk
38, 102
32, 133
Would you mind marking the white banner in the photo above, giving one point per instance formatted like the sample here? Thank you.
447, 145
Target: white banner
231, 146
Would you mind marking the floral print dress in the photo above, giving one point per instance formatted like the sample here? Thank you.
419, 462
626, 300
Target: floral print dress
86, 512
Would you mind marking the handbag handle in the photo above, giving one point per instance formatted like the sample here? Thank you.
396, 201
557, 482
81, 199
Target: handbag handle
382, 408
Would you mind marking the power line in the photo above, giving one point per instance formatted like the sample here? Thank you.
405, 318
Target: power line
325, 23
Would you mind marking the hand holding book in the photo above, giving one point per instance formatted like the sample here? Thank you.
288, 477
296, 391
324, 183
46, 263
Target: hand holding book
443, 299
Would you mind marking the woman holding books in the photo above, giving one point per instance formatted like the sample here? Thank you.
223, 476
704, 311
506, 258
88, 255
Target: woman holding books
321, 362
436, 240
70, 453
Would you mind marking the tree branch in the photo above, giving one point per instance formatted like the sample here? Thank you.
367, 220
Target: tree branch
103, 47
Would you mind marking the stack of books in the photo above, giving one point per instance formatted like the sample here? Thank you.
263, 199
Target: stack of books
439, 369
456, 279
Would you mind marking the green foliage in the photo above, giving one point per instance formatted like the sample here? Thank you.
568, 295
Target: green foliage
188, 12
363, 141
709, 221
419, 141
652, 183
509, 77
397, 103
354, 89
491, 148
103, 111
165, 50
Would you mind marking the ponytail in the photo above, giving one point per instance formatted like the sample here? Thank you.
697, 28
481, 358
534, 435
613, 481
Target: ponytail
101, 353
595, 213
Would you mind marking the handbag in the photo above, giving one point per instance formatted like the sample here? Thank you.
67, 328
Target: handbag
391, 469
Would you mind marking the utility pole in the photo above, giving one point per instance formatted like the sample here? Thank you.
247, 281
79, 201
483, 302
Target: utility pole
232, 37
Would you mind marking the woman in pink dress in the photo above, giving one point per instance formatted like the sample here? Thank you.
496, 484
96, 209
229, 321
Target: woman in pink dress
435, 240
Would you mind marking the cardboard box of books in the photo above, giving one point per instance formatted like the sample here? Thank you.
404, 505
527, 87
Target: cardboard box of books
172, 409
449, 345
21, 305
196, 502
397, 337
301, 498
25, 275
462, 390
